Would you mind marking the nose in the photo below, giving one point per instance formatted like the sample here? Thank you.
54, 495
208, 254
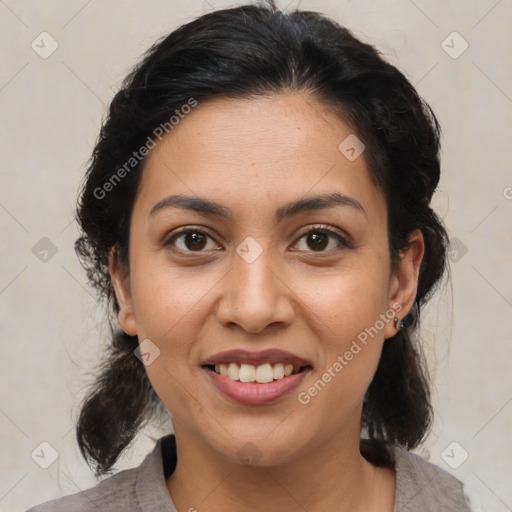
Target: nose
255, 296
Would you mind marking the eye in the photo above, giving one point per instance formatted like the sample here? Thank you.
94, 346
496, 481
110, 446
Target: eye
190, 240
318, 239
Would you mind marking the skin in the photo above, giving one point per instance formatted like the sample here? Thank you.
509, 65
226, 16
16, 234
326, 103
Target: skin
252, 156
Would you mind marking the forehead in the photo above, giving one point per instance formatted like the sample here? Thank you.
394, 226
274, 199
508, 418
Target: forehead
265, 149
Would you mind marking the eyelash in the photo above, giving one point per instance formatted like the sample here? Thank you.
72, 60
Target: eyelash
320, 228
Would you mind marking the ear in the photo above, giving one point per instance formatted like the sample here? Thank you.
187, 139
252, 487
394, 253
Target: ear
404, 281
121, 282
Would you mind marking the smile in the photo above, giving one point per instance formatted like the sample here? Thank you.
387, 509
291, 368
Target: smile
252, 392
250, 377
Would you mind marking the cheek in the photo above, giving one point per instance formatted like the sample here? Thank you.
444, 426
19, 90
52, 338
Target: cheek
349, 315
171, 306
168, 301
346, 301
167, 310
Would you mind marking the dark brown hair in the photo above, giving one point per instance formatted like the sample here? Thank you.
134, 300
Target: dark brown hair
245, 52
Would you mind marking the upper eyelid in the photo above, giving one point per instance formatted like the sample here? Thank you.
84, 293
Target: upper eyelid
323, 227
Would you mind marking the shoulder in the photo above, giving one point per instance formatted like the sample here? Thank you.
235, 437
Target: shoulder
116, 493
130, 490
422, 486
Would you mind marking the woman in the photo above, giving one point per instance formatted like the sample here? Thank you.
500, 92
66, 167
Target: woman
256, 213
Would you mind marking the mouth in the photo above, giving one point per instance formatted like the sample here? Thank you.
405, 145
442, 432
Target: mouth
262, 367
256, 377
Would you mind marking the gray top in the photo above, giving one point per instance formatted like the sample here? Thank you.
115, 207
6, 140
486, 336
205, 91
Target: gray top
420, 486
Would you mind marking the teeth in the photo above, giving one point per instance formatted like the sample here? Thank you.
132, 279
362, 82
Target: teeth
264, 373
278, 371
249, 373
234, 371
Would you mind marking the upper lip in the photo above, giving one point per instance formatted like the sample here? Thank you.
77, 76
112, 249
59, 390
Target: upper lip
241, 356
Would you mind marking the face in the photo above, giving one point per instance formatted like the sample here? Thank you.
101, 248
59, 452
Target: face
267, 274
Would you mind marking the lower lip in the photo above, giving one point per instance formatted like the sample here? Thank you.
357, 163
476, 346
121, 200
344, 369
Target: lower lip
254, 392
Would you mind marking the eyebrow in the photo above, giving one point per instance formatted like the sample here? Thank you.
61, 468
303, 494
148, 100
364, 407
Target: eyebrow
305, 204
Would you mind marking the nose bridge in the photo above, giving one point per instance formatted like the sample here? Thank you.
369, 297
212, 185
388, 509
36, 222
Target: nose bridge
255, 294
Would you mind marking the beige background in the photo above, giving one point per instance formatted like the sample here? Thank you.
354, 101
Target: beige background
51, 111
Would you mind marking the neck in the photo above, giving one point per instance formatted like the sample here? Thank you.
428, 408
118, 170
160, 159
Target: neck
330, 476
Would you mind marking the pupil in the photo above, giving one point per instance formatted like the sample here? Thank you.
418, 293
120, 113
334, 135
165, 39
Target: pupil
193, 240
319, 239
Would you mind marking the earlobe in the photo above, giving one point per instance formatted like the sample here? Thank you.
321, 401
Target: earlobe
121, 283
404, 283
